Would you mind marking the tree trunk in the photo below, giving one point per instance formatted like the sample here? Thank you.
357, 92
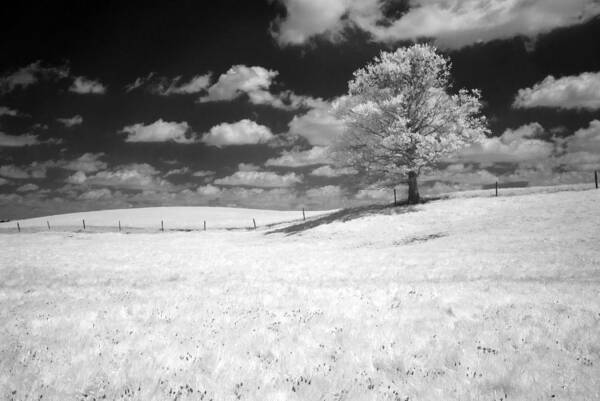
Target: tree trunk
413, 190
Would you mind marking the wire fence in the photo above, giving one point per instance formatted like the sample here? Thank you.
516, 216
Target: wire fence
161, 226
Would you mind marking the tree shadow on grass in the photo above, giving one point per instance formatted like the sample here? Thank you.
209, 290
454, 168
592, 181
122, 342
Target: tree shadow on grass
350, 214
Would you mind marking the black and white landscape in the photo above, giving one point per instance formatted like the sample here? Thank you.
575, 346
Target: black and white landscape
300, 200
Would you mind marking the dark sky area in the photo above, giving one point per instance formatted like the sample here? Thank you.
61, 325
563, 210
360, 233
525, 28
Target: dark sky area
111, 104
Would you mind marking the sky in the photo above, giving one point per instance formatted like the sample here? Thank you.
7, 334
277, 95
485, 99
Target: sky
111, 104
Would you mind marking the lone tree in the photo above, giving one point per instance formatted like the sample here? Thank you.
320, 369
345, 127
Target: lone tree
401, 116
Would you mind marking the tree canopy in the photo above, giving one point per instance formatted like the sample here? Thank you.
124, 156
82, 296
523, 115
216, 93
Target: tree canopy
402, 115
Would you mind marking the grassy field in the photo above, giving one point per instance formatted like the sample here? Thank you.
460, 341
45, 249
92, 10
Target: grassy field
459, 299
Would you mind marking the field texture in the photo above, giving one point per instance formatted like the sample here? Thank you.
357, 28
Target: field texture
460, 299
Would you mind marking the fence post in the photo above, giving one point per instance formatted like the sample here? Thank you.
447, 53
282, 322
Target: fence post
303, 215
496, 188
596, 178
18, 227
47, 222
395, 201
204, 225
119, 225
254, 221
162, 226
83, 221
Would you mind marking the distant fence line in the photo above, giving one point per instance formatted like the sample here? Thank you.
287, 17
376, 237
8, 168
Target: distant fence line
160, 227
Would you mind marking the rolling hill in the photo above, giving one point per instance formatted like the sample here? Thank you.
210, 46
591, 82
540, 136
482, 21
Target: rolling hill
465, 298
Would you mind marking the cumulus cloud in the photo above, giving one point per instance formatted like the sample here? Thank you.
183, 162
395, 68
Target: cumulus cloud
238, 80
243, 132
135, 176
265, 179
208, 190
71, 121
254, 82
39, 126
28, 187
4, 181
177, 171
196, 84
203, 173
522, 144
580, 161
328, 171
139, 82
83, 85
35, 203
30, 75
12, 171
132, 176
526, 154
567, 168
326, 191
269, 198
77, 178
462, 176
248, 167
285, 100
37, 170
571, 92
318, 126
164, 86
306, 19
158, 131
96, 194
374, 194
453, 23
87, 163
293, 158
7, 111
581, 151
585, 139
325, 197
15, 141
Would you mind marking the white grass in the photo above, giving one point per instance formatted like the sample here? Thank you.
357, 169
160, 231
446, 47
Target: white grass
459, 299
